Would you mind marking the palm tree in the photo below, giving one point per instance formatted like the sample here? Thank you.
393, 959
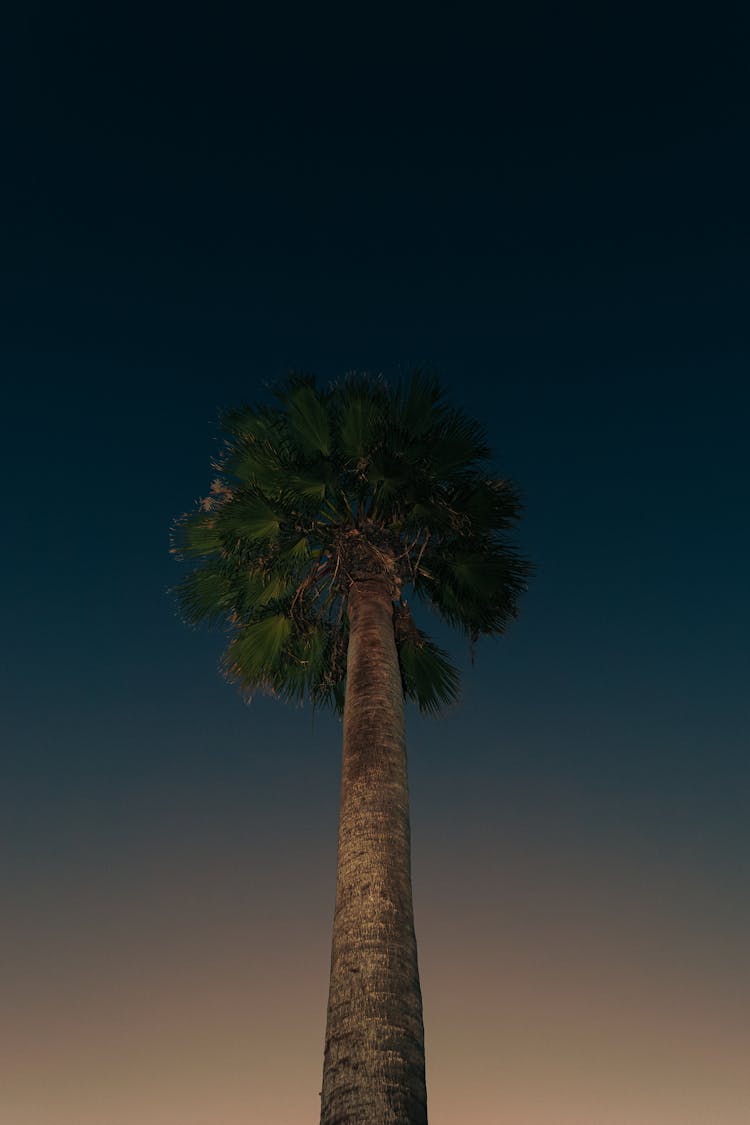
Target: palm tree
329, 508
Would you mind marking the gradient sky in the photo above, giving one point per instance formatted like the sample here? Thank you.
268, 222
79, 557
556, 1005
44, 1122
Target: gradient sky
553, 215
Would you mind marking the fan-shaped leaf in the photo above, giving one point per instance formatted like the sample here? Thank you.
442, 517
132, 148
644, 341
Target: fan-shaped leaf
308, 420
256, 424
255, 652
249, 516
261, 464
416, 403
310, 483
197, 536
205, 595
490, 505
481, 575
430, 679
360, 419
298, 548
274, 587
457, 443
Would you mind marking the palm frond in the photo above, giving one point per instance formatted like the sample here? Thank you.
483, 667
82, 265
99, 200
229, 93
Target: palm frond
260, 463
362, 407
474, 592
249, 516
254, 654
309, 423
415, 403
196, 536
491, 504
205, 595
310, 482
457, 442
255, 423
429, 677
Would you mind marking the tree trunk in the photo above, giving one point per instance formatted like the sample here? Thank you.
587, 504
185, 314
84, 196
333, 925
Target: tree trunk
373, 1071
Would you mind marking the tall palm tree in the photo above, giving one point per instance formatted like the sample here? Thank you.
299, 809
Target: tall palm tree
329, 508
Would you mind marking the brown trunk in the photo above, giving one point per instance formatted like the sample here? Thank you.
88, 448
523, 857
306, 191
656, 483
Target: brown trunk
373, 1071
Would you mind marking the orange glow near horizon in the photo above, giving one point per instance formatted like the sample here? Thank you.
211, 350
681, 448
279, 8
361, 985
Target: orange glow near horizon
175, 1004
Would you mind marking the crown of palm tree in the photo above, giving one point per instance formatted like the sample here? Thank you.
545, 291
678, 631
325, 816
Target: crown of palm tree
359, 481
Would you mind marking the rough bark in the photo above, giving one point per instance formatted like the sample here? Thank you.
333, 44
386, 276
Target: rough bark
373, 1072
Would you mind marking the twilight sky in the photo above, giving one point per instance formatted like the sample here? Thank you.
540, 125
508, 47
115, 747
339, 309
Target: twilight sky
552, 214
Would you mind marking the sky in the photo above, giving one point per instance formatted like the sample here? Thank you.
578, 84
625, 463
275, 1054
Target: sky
550, 211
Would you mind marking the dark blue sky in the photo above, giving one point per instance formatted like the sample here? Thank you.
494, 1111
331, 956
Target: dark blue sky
552, 214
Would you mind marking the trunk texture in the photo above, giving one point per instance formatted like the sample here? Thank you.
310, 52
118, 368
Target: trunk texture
373, 1071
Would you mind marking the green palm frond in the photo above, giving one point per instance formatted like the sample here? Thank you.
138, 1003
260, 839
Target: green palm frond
492, 505
311, 481
362, 405
307, 663
297, 548
259, 463
415, 403
457, 443
474, 592
308, 419
249, 516
255, 653
477, 574
196, 536
429, 676
205, 595
259, 424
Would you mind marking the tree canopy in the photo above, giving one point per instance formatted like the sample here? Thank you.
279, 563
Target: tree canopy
329, 486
